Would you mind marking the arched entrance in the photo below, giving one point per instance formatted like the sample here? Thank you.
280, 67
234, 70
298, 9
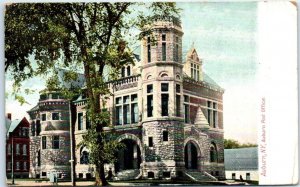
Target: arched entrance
191, 156
129, 157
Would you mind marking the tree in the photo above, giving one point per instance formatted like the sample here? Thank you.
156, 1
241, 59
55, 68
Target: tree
233, 144
94, 37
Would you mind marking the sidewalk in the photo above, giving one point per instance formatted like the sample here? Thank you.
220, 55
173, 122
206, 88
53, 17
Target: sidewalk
47, 183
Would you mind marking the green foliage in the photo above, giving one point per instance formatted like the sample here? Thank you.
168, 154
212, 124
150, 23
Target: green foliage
233, 144
74, 36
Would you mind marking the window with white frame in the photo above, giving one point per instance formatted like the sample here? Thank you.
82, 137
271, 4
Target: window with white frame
55, 116
149, 100
17, 149
195, 71
24, 149
17, 165
55, 142
9, 149
186, 109
8, 165
25, 166
164, 99
127, 109
212, 114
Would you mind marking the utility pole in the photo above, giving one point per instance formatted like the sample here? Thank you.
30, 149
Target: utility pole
72, 161
12, 160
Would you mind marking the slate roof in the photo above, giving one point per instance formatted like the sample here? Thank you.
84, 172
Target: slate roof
7, 123
13, 125
209, 80
241, 159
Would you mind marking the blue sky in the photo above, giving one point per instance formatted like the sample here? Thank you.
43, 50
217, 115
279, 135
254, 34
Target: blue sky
224, 35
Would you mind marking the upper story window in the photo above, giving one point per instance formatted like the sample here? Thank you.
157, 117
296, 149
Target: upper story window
17, 149
123, 72
149, 100
150, 141
55, 142
128, 71
44, 142
186, 109
178, 100
195, 71
38, 127
212, 114
55, 96
165, 136
87, 121
9, 149
24, 149
44, 117
55, 116
126, 109
164, 47
80, 121
164, 99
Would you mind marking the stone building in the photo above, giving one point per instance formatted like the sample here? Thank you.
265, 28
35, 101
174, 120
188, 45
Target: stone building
166, 111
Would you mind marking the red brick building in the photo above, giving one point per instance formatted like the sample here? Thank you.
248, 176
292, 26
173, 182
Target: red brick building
17, 147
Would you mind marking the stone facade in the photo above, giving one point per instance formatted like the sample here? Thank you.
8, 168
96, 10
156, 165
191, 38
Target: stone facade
167, 113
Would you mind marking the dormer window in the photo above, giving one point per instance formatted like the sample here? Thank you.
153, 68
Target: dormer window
195, 71
128, 71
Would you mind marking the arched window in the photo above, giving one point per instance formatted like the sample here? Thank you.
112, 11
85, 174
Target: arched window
123, 72
128, 71
213, 153
84, 156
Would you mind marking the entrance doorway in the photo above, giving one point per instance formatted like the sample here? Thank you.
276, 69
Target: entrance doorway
191, 156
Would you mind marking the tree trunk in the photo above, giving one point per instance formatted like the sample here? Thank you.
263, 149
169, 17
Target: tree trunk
100, 176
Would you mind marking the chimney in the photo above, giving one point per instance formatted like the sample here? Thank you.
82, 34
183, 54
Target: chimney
9, 116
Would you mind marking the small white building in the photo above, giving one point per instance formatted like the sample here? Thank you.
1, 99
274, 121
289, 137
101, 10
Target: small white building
242, 162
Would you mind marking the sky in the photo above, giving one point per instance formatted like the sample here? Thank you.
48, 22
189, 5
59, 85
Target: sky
225, 37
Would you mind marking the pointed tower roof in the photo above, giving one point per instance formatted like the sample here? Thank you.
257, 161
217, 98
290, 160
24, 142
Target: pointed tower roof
200, 119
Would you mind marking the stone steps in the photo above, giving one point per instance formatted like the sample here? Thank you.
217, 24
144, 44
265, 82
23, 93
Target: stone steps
199, 176
127, 174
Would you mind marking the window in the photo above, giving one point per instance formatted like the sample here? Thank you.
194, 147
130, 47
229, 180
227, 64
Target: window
178, 105
134, 109
17, 165
24, 149
43, 97
149, 100
176, 49
8, 165
123, 72
38, 128
55, 142
17, 149
213, 153
150, 141
177, 88
149, 49
84, 156
39, 158
149, 88
55, 116
164, 87
43, 117
164, 104
167, 174
80, 121
164, 99
233, 176
128, 71
44, 174
25, 166
248, 176
127, 109
87, 121
186, 109
150, 175
149, 105
44, 142
195, 71
9, 149
212, 114
165, 136
164, 47
33, 129
55, 96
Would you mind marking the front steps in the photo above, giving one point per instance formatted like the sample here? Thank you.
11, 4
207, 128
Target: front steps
200, 176
127, 174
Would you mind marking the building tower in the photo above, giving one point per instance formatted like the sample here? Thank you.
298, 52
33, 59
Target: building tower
50, 136
162, 92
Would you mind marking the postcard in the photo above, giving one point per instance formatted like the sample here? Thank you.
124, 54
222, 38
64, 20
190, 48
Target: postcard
150, 93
